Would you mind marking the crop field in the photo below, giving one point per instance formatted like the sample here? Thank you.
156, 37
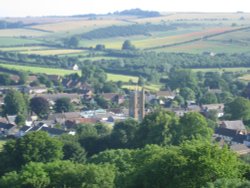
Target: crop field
21, 33
83, 25
207, 46
123, 78
151, 87
158, 39
24, 48
12, 41
53, 52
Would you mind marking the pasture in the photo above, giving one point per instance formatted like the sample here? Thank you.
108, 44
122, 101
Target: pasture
233, 69
123, 78
151, 87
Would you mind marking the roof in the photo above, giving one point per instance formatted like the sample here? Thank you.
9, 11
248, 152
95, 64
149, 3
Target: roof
234, 125
53, 131
165, 93
241, 149
225, 132
6, 126
213, 106
65, 115
109, 96
239, 138
54, 97
25, 128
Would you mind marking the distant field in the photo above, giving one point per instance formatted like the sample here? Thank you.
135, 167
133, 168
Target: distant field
21, 32
151, 87
61, 72
11, 41
83, 25
23, 48
245, 77
207, 46
123, 78
53, 51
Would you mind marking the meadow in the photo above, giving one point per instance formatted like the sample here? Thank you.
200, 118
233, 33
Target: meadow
21, 33
151, 87
53, 51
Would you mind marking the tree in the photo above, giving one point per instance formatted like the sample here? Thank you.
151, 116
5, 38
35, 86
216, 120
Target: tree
72, 42
20, 120
209, 98
127, 45
15, 103
124, 133
156, 128
33, 147
192, 126
187, 93
40, 106
5, 79
239, 108
63, 105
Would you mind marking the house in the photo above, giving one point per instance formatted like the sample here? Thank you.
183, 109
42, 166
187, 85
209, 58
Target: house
6, 129
219, 108
75, 67
166, 94
236, 125
113, 97
241, 149
40, 127
74, 97
71, 123
36, 90
63, 117
54, 78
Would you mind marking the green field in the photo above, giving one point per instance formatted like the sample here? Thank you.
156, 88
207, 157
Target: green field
53, 51
12, 41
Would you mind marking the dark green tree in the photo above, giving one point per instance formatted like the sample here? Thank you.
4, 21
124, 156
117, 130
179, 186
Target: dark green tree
239, 108
40, 106
127, 45
63, 105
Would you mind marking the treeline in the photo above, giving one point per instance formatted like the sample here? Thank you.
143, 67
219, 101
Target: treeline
150, 65
130, 30
138, 12
10, 25
161, 151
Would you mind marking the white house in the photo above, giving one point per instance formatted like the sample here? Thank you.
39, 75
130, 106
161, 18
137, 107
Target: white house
75, 67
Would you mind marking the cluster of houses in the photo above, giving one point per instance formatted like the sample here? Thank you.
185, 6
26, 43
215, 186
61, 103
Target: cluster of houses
232, 133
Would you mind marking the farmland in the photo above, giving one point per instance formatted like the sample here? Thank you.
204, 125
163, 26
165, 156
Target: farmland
21, 33
53, 51
13, 41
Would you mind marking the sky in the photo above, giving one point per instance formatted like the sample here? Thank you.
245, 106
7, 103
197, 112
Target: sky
22, 8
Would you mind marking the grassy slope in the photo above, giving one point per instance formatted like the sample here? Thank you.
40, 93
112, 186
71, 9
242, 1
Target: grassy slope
11, 41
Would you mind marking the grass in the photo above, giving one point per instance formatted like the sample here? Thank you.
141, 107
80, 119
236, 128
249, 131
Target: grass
9, 41
49, 71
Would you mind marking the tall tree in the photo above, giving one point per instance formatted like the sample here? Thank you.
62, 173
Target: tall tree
239, 108
127, 45
15, 103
